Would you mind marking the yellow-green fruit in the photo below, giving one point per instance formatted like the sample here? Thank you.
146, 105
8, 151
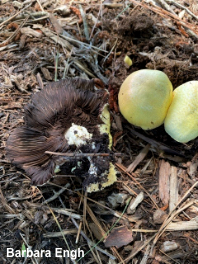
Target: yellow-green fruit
181, 122
144, 98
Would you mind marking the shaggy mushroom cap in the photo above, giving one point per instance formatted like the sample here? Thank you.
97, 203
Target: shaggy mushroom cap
144, 98
65, 116
181, 122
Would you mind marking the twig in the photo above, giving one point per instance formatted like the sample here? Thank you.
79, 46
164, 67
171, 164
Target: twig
66, 212
56, 194
167, 7
157, 145
79, 155
59, 234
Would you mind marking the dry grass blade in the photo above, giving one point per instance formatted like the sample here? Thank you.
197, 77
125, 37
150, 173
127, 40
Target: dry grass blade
95, 220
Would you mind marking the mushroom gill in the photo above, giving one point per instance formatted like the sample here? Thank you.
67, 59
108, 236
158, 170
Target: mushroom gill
55, 111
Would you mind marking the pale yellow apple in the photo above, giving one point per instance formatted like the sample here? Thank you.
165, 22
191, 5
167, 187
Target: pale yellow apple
144, 98
181, 122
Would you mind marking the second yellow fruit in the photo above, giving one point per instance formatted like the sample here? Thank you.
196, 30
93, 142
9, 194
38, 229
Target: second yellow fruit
181, 122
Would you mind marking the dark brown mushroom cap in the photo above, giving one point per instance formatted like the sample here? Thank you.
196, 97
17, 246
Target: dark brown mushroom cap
49, 115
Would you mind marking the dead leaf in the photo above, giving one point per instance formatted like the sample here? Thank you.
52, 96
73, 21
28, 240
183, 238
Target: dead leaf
119, 237
96, 231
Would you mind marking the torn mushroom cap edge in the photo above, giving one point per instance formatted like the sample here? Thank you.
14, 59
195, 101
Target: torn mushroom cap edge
111, 177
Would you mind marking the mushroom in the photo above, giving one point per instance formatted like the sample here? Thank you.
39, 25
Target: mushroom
65, 116
144, 98
181, 121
